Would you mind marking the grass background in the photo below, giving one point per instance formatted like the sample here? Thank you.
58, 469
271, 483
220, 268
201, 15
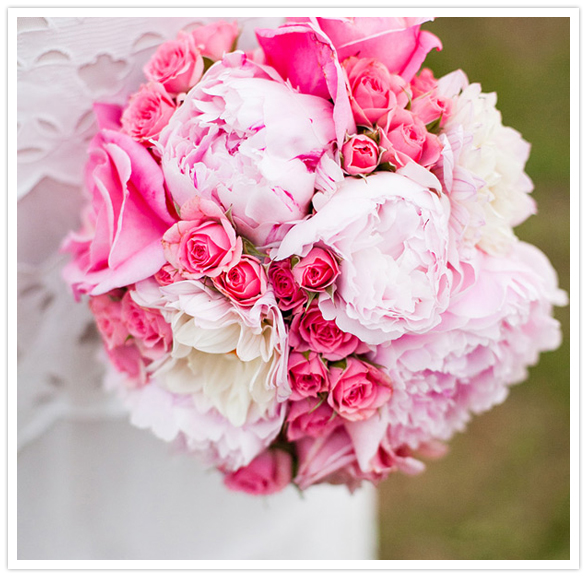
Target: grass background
502, 492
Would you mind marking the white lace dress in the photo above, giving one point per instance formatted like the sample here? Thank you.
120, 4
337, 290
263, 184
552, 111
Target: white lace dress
90, 486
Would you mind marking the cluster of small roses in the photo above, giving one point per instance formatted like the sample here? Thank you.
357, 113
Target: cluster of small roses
397, 121
264, 307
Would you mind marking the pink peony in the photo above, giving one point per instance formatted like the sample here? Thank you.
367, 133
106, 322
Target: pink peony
310, 417
397, 42
288, 294
203, 242
243, 152
268, 473
216, 39
392, 236
147, 113
311, 331
307, 375
358, 390
177, 64
120, 242
244, 283
317, 270
374, 91
360, 155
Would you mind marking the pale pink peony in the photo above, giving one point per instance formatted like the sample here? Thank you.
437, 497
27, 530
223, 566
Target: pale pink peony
177, 64
311, 331
317, 270
358, 389
308, 375
203, 242
120, 242
397, 42
392, 237
360, 155
268, 473
147, 113
231, 142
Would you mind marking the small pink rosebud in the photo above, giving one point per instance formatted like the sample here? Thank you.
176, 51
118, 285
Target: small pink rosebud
244, 283
268, 473
307, 375
288, 294
316, 271
360, 155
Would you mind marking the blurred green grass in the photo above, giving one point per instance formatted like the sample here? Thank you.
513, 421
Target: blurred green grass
502, 492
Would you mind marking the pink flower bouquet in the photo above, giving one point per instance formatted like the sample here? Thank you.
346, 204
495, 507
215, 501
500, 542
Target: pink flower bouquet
301, 259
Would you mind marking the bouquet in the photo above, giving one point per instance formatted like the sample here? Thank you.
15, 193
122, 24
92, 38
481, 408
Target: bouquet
301, 259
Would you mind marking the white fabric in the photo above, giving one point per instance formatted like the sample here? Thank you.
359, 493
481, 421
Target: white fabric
90, 486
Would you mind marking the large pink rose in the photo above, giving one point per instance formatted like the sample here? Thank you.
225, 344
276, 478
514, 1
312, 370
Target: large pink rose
203, 242
148, 112
268, 473
358, 390
311, 331
392, 236
177, 64
243, 152
397, 42
120, 242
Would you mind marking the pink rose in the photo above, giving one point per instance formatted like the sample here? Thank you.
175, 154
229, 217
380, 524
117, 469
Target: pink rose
358, 390
148, 112
397, 42
288, 294
167, 275
147, 326
244, 283
177, 64
430, 107
128, 359
214, 39
405, 138
317, 270
203, 242
374, 91
310, 331
107, 311
307, 375
268, 473
424, 82
126, 186
360, 155
308, 417
319, 459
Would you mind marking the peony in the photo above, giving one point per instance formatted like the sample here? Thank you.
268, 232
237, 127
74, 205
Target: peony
232, 359
120, 242
392, 237
491, 155
231, 142
147, 113
489, 335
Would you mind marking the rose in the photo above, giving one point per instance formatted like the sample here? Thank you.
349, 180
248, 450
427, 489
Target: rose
311, 331
147, 326
424, 82
244, 283
203, 242
372, 38
244, 153
317, 270
177, 64
167, 275
309, 417
360, 155
268, 473
374, 91
405, 138
289, 295
216, 38
148, 112
107, 311
431, 107
358, 389
307, 375
392, 236
127, 191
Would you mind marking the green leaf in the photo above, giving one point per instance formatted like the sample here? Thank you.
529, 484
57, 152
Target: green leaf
311, 296
207, 63
330, 291
339, 364
434, 126
387, 167
250, 249
294, 260
322, 399
306, 354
